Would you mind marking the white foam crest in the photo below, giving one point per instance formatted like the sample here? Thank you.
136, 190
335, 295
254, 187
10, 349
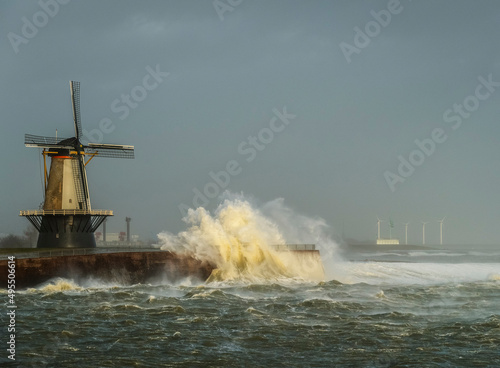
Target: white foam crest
57, 285
414, 273
435, 254
494, 277
380, 254
487, 254
60, 284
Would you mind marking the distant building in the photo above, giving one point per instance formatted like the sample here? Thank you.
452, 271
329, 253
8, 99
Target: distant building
116, 237
387, 241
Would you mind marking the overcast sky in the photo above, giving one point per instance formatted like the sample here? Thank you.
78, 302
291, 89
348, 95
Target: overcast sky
321, 103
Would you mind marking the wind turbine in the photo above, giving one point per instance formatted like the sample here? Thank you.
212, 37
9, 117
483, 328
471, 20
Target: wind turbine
441, 230
378, 226
423, 232
406, 233
391, 225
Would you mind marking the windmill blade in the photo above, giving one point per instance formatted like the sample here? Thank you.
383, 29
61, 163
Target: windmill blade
111, 146
75, 100
31, 140
110, 150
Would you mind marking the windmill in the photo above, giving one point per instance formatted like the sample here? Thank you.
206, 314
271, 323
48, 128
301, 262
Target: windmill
67, 219
441, 230
423, 232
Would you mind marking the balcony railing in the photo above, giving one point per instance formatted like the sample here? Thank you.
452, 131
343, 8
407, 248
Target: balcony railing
66, 212
41, 253
294, 246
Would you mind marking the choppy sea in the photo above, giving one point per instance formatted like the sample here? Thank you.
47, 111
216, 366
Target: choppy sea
420, 308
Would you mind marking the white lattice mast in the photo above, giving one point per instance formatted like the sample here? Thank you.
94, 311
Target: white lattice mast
378, 227
406, 233
423, 232
441, 230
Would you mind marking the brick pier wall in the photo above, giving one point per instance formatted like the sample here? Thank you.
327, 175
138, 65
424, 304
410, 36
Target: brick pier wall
124, 268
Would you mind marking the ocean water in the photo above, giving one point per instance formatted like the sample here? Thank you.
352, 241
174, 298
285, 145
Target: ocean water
425, 308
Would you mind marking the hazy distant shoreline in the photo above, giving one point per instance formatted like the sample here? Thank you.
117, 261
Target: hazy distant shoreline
402, 247
385, 247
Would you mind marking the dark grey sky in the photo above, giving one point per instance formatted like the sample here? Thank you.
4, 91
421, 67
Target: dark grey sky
231, 69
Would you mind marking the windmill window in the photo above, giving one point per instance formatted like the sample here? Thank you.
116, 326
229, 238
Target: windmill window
70, 200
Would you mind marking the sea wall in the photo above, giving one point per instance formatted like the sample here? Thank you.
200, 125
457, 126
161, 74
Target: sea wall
123, 268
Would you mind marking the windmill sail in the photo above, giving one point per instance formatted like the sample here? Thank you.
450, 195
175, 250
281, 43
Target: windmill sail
31, 140
110, 150
75, 99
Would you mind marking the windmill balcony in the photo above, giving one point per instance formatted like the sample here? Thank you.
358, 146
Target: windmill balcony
66, 212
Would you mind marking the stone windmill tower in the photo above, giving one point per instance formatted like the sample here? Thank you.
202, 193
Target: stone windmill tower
67, 219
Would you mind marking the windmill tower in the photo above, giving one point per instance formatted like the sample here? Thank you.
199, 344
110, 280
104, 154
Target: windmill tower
423, 232
406, 232
391, 226
441, 230
67, 219
128, 219
378, 227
